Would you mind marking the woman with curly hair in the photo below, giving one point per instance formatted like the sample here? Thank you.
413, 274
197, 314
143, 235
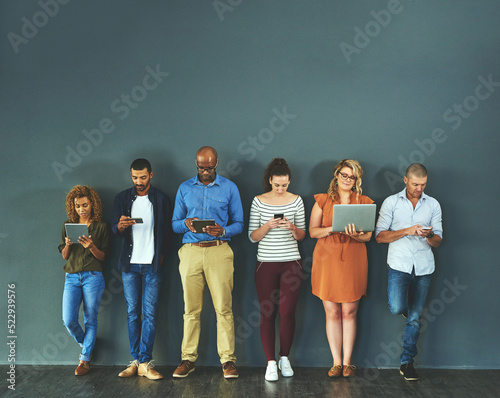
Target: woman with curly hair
277, 222
85, 262
340, 264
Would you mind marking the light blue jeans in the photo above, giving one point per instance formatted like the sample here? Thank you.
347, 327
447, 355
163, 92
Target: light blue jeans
407, 294
86, 287
141, 287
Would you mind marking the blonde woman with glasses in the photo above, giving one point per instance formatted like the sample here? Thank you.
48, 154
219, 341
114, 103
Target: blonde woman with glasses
340, 264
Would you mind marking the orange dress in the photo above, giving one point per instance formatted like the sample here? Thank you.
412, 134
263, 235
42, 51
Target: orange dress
340, 264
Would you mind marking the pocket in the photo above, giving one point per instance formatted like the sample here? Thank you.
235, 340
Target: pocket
219, 202
95, 273
259, 264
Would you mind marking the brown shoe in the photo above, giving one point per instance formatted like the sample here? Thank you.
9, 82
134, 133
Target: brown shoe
230, 371
83, 368
349, 370
335, 371
131, 370
184, 369
147, 369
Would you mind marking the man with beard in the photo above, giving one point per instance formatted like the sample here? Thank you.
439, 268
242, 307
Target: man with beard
410, 221
141, 217
206, 258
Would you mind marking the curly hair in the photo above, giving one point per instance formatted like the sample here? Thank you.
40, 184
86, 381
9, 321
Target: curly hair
333, 189
80, 191
277, 167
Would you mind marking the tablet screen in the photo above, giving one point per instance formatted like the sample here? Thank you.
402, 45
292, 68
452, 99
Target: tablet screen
74, 231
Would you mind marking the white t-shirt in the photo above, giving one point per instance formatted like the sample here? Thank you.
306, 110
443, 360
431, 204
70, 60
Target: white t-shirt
143, 239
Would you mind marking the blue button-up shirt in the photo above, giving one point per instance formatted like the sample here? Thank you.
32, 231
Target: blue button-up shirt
410, 251
219, 200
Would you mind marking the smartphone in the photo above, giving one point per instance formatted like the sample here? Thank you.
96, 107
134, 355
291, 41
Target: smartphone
426, 228
137, 220
279, 216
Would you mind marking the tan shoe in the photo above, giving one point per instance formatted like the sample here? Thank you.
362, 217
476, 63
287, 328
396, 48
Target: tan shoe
82, 368
230, 371
349, 371
147, 369
131, 370
184, 369
335, 371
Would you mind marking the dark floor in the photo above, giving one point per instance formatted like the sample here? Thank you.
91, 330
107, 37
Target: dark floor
102, 381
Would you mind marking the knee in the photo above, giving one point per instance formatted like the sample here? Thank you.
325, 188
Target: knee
333, 315
349, 313
397, 308
70, 322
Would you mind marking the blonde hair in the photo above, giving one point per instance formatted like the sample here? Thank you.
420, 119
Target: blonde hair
333, 189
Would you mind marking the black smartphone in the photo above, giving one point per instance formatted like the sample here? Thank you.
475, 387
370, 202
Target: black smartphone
137, 220
279, 216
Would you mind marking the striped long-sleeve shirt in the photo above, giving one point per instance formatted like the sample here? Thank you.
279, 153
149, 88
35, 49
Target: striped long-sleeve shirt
278, 244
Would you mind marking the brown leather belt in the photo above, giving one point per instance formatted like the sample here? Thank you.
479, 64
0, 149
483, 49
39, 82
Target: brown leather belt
210, 243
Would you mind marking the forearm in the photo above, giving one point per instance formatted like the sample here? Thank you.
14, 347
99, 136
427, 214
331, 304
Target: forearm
435, 241
259, 233
66, 252
391, 236
299, 234
319, 232
97, 253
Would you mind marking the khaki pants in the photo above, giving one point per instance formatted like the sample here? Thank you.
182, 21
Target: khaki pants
212, 266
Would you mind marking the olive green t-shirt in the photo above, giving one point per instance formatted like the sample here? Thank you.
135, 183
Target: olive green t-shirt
81, 259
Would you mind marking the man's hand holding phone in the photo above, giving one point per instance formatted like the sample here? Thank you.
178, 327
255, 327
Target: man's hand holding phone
124, 223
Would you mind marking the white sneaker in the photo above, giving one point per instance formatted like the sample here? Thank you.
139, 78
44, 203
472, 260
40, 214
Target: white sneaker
272, 371
285, 367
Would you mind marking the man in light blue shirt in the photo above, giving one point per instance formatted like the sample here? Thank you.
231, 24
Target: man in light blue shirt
206, 257
410, 221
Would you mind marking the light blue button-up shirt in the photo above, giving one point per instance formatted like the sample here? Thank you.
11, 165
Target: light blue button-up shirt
219, 200
410, 251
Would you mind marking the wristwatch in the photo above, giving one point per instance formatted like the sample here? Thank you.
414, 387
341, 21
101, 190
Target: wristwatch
430, 235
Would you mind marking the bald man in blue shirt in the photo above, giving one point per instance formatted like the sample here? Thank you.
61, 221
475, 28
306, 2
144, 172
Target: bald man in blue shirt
206, 257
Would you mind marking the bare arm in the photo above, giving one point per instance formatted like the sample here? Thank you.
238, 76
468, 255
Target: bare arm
391, 236
66, 251
316, 231
88, 243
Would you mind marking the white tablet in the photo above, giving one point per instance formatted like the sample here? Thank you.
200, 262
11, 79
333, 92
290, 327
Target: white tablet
74, 231
362, 216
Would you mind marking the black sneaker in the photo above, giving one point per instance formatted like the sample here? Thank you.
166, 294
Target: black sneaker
408, 372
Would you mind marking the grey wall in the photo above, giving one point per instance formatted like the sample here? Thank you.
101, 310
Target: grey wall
413, 90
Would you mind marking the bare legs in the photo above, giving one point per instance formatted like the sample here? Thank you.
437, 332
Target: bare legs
341, 329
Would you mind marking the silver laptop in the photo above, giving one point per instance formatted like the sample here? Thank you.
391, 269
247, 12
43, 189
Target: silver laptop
362, 216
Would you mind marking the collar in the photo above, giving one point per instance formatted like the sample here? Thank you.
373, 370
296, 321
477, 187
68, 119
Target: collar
402, 194
195, 181
133, 192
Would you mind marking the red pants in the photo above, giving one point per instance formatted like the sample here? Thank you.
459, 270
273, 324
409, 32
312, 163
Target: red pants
278, 283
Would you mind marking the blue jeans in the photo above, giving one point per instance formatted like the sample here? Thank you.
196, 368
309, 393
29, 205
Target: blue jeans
141, 287
407, 295
86, 286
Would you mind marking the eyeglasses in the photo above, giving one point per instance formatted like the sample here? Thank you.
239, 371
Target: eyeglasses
207, 169
347, 177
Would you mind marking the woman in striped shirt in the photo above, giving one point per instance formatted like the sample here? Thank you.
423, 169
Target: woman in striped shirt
277, 222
